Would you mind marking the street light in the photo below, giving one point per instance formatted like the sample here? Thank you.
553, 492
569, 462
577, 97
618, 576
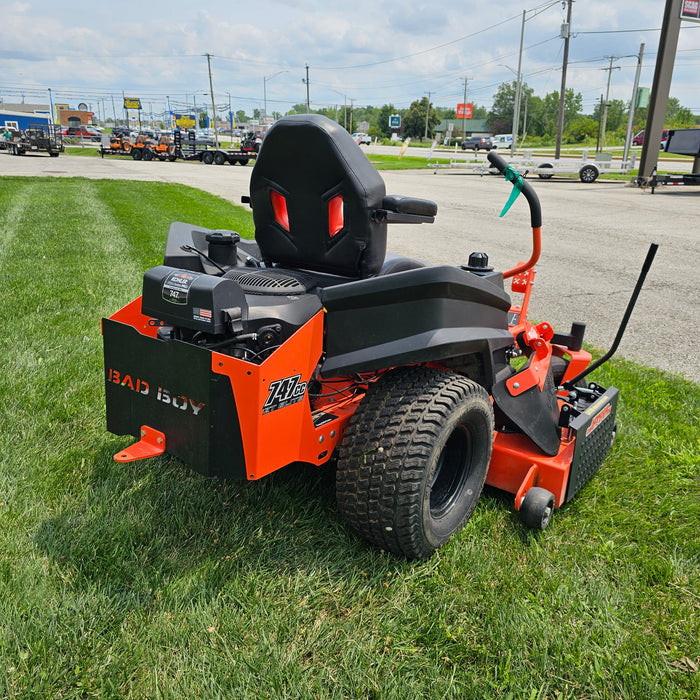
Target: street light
265, 79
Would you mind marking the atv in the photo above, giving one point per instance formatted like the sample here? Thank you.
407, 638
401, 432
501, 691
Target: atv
311, 344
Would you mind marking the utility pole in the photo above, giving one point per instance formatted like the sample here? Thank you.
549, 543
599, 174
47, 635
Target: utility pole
213, 105
607, 95
566, 33
464, 111
661, 85
518, 90
308, 104
427, 114
633, 104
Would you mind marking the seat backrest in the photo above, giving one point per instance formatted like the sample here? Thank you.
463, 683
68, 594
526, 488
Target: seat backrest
313, 192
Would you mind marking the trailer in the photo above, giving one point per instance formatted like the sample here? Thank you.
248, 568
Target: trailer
546, 168
684, 142
188, 149
36, 138
171, 148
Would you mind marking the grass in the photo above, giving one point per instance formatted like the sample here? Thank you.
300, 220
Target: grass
146, 580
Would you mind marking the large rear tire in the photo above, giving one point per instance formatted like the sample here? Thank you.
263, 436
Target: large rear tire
414, 459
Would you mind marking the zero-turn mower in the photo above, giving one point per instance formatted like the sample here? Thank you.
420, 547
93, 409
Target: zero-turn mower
310, 344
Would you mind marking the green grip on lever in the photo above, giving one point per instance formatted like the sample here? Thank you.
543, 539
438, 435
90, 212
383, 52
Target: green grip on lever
512, 175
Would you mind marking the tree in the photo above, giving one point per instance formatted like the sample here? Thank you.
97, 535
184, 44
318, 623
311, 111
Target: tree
414, 119
383, 119
581, 129
616, 117
500, 116
683, 119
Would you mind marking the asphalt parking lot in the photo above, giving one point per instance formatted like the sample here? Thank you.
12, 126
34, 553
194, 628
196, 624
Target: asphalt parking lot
595, 238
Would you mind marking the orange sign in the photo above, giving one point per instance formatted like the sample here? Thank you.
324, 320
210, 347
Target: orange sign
464, 111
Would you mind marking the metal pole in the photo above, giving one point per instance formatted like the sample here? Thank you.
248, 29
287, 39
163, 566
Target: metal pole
427, 114
516, 106
600, 117
464, 109
633, 104
607, 95
264, 100
213, 105
562, 93
661, 85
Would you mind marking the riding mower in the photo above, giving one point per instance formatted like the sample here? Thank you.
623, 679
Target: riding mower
311, 344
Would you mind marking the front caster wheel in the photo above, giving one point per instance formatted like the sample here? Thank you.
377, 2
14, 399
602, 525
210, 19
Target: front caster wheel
414, 459
537, 508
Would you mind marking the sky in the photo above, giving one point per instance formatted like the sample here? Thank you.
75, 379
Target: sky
368, 52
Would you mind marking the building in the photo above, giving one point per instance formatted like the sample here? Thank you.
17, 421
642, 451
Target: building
20, 116
75, 117
472, 127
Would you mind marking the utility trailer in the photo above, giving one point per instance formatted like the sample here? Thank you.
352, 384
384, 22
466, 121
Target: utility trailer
684, 142
36, 138
188, 149
545, 168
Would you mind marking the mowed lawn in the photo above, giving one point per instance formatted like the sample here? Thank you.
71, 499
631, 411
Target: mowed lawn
147, 580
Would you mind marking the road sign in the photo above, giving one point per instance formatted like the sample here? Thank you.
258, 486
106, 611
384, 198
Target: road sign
464, 111
690, 9
395, 121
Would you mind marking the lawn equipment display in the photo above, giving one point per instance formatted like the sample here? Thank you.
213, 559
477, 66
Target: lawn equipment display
311, 344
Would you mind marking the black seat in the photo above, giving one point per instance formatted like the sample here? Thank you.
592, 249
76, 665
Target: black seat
315, 196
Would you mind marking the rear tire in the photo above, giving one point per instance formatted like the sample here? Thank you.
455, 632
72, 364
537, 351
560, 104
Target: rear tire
147, 154
207, 157
136, 154
219, 159
414, 459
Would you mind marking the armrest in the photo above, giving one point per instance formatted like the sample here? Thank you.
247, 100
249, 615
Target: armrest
405, 210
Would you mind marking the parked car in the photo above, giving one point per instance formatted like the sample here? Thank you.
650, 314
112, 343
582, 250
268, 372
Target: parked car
477, 143
361, 138
121, 131
638, 139
84, 132
6, 133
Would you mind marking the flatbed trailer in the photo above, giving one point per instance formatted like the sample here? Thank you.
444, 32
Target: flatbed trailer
665, 179
177, 147
189, 150
36, 138
545, 168
684, 142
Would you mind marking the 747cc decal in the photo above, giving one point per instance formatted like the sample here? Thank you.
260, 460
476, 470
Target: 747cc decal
284, 392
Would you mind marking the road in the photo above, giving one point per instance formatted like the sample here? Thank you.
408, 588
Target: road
595, 238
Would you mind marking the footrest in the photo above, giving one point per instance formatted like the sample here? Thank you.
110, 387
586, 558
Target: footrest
151, 444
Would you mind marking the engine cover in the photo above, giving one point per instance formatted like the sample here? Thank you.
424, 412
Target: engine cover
193, 300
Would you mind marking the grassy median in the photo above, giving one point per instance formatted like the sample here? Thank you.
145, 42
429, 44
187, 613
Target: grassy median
146, 580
